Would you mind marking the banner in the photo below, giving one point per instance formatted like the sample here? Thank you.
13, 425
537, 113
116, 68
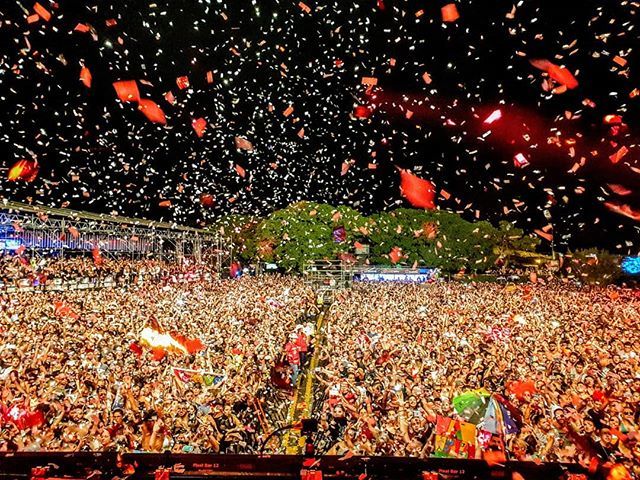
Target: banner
454, 438
209, 379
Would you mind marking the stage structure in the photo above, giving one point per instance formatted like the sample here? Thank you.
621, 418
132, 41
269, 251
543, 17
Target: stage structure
41, 230
326, 277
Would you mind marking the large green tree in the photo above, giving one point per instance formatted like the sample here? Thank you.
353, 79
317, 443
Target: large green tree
432, 238
304, 231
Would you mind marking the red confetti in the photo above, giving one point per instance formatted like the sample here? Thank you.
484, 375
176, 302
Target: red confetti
209, 77
288, 111
304, 7
127, 90
207, 200
623, 209
86, 77
559, 74
243, 144
152, 111
395, 255
619, 155
520, 160
362, 111
420, 193
612, 119
450, 13
547, 236
199, 125
43, 12
169, 97
183, 82
82, 28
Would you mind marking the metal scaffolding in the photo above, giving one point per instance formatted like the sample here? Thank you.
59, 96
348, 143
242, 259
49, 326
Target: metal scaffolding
326, 277
43, 230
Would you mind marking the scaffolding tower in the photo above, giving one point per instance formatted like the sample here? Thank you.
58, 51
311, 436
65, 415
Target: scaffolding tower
326, 277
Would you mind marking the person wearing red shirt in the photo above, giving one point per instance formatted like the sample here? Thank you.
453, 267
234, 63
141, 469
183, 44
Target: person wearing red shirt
292, 351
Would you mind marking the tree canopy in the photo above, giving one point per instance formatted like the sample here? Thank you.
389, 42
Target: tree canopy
305, 231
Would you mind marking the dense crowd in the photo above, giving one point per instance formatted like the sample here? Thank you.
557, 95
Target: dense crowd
76, 375
39, 271
563, 360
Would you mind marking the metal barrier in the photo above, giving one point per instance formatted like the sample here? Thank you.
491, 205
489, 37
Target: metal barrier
81, 465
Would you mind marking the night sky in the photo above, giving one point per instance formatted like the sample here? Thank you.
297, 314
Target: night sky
437, 82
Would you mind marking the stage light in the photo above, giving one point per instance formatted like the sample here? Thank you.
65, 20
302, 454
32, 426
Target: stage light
631, 265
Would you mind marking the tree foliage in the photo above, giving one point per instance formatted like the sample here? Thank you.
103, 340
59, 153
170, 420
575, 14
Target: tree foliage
305, 231
594, 266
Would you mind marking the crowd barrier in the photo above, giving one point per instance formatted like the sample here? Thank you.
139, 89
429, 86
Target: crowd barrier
102, 466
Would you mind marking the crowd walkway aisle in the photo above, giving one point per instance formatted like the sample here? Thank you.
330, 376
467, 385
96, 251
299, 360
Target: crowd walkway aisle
302, 404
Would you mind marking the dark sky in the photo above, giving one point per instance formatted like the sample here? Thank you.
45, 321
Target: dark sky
97, 153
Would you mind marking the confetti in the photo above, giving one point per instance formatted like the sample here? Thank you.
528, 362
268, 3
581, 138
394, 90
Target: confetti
420, 193
127, 90
450, 13
152, 111
42, 12
183, 82
199, 126
85, 77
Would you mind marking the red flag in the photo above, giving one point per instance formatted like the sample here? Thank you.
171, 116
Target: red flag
420, 193
199, 125
97, 257
152, 111
86, 77
135, 348
127, 90
193, 345
158, 353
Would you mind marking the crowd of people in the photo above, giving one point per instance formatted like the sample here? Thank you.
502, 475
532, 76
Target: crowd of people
562, 360
77, 372
76, 375
48, 271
